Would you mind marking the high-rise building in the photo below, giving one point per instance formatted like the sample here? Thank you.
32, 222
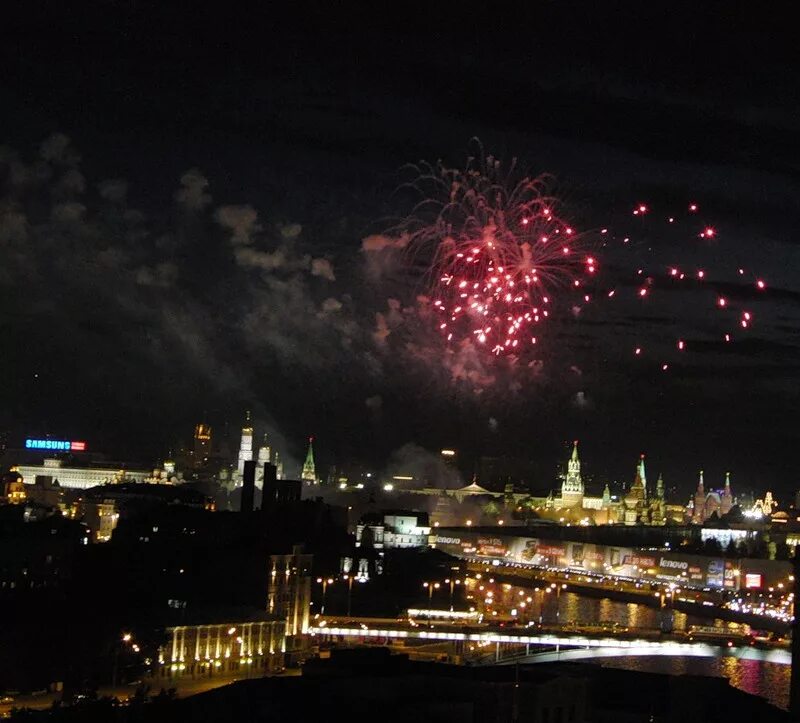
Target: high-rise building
572, 486
289, 596
246, 445
202, 444
309, 473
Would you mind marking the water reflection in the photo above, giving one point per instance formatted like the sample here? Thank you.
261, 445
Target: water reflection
768, 680
577, 609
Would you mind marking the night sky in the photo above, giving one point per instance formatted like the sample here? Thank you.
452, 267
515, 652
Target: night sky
184, 193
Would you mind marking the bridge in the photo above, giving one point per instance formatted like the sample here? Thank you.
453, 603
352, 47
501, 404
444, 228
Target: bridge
559, 646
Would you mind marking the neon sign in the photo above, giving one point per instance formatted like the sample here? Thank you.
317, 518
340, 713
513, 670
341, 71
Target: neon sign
56, 445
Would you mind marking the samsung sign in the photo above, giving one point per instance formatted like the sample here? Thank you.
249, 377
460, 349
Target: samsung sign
55, 445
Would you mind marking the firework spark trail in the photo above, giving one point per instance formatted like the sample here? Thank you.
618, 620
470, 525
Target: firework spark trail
500, 260
497, 253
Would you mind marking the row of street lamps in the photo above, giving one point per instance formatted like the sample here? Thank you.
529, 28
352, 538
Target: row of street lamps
431, 586
349, 579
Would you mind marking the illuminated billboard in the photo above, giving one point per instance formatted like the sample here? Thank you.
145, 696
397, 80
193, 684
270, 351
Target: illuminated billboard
752, 580
55, 445
685, 570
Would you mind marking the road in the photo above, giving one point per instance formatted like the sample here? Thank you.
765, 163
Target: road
700, 603
625, 640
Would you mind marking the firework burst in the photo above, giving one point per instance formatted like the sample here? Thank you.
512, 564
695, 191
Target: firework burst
497, 253
499, 259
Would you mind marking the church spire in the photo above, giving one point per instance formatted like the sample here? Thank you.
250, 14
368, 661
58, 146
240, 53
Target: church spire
575, 451
309, 473
700, 483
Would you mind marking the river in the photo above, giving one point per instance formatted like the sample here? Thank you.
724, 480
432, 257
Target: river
768, 680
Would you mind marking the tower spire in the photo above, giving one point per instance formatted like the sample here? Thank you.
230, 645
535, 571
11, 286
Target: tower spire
246, 444
572, 486
309, 473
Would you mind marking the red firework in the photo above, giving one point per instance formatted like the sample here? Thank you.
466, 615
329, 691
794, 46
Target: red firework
497, 253
500, 260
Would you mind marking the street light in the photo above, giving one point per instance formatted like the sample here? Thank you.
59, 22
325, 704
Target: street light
558, 589
349, 579
452, 582
431, 586
125, 638
325, 582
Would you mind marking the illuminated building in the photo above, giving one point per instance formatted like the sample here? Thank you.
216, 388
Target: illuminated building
705, 504
726, 498
100, 516
289, 594
626, 561
13, 489
202, 444
762, 507
80, 478
395, 530
699, 502
264, 457
573, 499
245, 446
636, 499
657, 508
572, 486
309, 473
223, 649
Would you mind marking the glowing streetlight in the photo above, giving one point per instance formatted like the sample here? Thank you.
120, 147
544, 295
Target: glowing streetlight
431, 586
452, 582
349, 579
325, 581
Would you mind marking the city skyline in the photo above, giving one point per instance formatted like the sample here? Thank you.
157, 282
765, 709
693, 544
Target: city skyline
152, 267
402, 461
434, 359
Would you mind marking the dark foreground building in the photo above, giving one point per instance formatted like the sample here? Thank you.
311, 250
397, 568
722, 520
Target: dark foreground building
370, 684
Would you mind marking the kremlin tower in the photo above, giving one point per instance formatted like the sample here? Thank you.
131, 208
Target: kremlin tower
572, 486
636, 499
309, 473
